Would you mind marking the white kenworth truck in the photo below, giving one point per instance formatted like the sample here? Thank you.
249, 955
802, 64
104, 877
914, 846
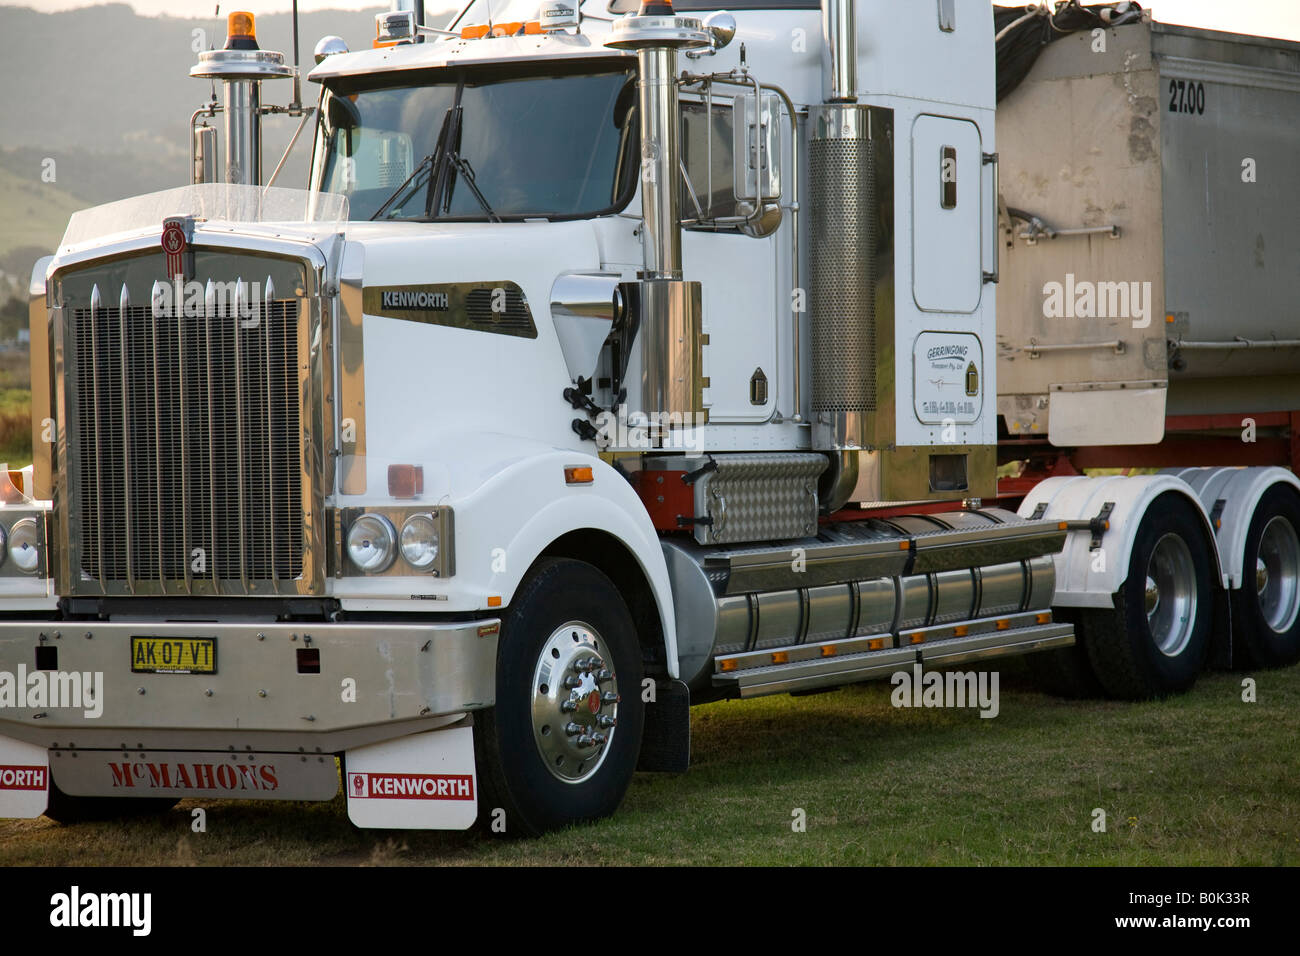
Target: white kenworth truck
616, 358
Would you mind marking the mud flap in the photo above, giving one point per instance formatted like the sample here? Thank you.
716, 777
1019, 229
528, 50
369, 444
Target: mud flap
666, 740
24, 779
421, 782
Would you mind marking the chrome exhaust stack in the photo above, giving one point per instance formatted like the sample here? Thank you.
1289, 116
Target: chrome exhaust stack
665, 307
840, 48
849, 287
241, 66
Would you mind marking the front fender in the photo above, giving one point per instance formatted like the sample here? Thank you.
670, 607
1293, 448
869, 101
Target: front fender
504, 527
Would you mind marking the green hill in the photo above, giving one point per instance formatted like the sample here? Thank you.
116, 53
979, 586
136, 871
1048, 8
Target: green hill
33, 216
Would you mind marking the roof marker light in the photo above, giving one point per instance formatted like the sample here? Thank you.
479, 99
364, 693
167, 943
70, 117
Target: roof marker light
556, 15
394, 28
241, 31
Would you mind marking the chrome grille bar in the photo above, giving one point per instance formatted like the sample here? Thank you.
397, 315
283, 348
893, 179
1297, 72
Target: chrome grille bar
181, 365
212, 453
268, 297
96, 308
241, 296
123, 308
157, 417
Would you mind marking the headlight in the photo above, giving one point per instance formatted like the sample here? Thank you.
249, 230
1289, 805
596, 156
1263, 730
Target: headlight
372, 543
420, 542
25, 544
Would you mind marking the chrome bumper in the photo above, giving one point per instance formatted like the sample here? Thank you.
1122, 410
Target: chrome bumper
375, 682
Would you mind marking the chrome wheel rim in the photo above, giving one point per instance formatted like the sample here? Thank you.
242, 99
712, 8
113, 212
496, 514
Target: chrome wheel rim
1171, 595
575, 702
1277, 574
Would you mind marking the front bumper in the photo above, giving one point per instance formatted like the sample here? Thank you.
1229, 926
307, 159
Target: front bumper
375, 682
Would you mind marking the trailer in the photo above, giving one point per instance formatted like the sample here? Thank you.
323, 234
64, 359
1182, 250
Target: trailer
617, 358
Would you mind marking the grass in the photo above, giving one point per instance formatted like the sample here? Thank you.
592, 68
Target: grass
1202, 779
15, 408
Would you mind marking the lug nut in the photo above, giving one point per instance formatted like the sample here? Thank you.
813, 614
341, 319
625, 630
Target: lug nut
599, 739
609, 697
571, 728
586, 741
606, 721
572, 682
604, 676
568, 706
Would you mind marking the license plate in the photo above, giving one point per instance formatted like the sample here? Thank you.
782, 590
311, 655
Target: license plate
174, 655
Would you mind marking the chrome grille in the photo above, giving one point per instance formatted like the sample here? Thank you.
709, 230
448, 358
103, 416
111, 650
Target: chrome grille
186, 446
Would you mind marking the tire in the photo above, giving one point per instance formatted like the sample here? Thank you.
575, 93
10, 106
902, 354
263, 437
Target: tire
1066, 671
65, 808
1266, 608
1156, 640
567, 622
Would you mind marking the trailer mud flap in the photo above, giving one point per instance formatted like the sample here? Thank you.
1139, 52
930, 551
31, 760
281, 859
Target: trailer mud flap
24, 779
421, 782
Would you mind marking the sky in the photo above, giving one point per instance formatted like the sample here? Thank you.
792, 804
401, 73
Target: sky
1276, 18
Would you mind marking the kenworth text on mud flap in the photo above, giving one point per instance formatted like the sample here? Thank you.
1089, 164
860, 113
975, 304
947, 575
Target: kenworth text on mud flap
616, 359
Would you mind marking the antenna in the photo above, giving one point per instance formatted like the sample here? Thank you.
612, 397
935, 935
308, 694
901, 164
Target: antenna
297, 73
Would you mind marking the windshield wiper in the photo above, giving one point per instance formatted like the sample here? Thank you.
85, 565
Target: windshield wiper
423, 164
452, 163
432, 161
466, 171
438, 183
444, 163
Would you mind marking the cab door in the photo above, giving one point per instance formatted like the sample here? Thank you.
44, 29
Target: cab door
947, 260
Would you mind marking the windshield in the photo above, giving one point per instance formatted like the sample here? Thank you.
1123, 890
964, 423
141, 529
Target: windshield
466, 144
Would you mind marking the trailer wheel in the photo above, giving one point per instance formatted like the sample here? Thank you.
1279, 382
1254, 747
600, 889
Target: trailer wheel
1066, 671
1156, 639
65, 808
561, 744
1266, 608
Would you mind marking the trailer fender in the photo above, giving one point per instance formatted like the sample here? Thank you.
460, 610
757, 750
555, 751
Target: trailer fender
1088, 576
1230, 496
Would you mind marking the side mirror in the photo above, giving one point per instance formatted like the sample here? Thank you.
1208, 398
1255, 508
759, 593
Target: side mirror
341, 113
757, 154
721, 27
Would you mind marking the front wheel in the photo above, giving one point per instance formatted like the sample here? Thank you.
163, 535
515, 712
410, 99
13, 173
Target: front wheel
1156, 639
562, 741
